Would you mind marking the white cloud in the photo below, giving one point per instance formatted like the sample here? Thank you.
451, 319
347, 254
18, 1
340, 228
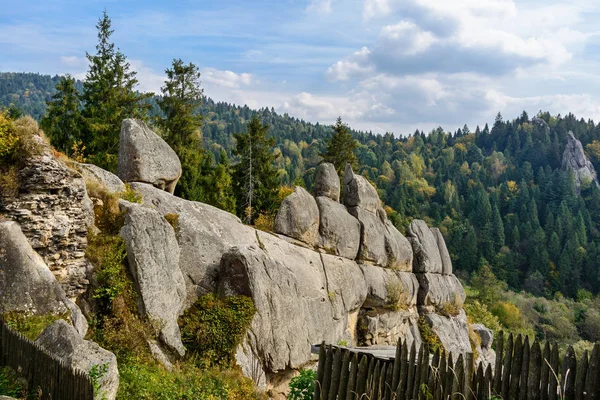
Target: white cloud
319, 6
376, 8
227, 79
355, 65
407, 38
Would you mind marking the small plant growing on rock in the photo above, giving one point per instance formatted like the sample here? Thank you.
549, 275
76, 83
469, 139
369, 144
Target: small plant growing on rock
397, 297
173, 220
302, 387
131, 195
96, 373
429, 336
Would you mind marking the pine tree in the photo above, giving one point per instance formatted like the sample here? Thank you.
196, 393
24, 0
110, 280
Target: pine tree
255, 178
109, 96
340, 148
63, 122
221, 194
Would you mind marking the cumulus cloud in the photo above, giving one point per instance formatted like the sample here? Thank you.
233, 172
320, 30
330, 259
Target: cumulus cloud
319, 6
228, 79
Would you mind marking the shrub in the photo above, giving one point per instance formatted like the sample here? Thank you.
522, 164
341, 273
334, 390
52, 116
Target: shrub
397, 298
478, 313
265, 222
429, 336
131, 195
302, 387
10, 385
213, 327
173, 220
107, 253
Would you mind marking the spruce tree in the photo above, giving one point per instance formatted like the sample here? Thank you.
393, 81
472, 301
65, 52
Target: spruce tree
255, 177
109, 96
340, 148
63, 122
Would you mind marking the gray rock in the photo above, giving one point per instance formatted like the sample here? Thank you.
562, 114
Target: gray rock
385, 286
444, 254
63, 341
298, 217
251, 365
153, 258
453, 332
7, 398
339, 231
398, 249
437, 290
372, 246
101, 176
385, 327
358, 192
327, 182
159, 355
205, 233
55, 214
146, 157
426, 252
291, 294
574, 159
346, 286
485, 334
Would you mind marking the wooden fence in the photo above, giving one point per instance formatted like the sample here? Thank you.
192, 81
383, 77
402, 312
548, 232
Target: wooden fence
522, 371
47, 376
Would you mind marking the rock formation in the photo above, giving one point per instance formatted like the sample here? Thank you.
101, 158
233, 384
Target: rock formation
574, 159
146, 157
327, 183
298, 217
55, 213
96, 174
62, 341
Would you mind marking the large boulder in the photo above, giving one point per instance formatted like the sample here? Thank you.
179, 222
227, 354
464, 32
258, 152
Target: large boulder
153, 258
146, 157
397, 247
426, 252
444, 254
62, 340
339, 231
205, 233
100, 176
55, 214
574, 159
26, 284
298, 217
439, 291
385, 327
327, 182
453, 331
358, 192
387, 288
296, 305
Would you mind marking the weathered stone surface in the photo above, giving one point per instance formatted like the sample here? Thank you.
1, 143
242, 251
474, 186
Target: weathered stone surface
339, 231
55, 213
574, 159
398, 249
346, 285
251, 365
358, 192
290, 292
99, 175
453, 332
437, 290
426, 252
205, 233
372, 247
385, 286
64, 342
298, 217
444, 254
146, 157
485, 334
26, 284
485, 354
385, 327
153, 258
327, 182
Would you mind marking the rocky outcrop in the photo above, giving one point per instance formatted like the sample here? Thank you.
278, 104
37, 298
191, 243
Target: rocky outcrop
358, 192
153, 258
298, 217
339, 231
62, 341
26, 284
55, 213
146, 157
452, 331
204, 234
437, 291
486, 355
96, 174
574, 159
327, 182
425, 247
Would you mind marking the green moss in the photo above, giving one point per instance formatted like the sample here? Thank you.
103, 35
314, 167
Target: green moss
213, 327
31, 325
429, 336
131, 195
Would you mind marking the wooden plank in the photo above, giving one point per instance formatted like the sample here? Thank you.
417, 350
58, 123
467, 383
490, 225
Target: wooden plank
336, 373
344, 376
433, 372
424, 371
401, 390
361, 377
545, 372
524, 370
592, 381
351, 391
554, 371
373, 393
327, 374
389, 382
397, 365
459, 378
506, 366
498, 367
449, 377
320, 371
410, 380
568, 374
417, 378
439, 394
515, 369
480, 384
370, 372
582, 368
535, 365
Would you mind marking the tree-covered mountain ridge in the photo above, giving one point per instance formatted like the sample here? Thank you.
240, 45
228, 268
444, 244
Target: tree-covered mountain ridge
499, 194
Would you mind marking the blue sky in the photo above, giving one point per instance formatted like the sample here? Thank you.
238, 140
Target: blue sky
382, 65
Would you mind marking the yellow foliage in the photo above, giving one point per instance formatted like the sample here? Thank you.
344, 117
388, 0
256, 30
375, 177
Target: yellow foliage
284, 191
265, 222
513, 187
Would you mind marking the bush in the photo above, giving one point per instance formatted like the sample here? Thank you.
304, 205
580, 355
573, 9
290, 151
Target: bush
107, 254
429, 336
478, 313
302, 387
131, 195
213, 327
265, 222
397, 298
10, 385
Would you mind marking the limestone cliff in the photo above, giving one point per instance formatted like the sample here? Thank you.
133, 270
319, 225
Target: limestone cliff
574, 159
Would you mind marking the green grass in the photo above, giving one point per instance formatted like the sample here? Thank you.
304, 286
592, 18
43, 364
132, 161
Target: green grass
31, 325
10, 385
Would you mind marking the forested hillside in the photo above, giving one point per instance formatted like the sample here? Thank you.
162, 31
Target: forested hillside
499, 194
